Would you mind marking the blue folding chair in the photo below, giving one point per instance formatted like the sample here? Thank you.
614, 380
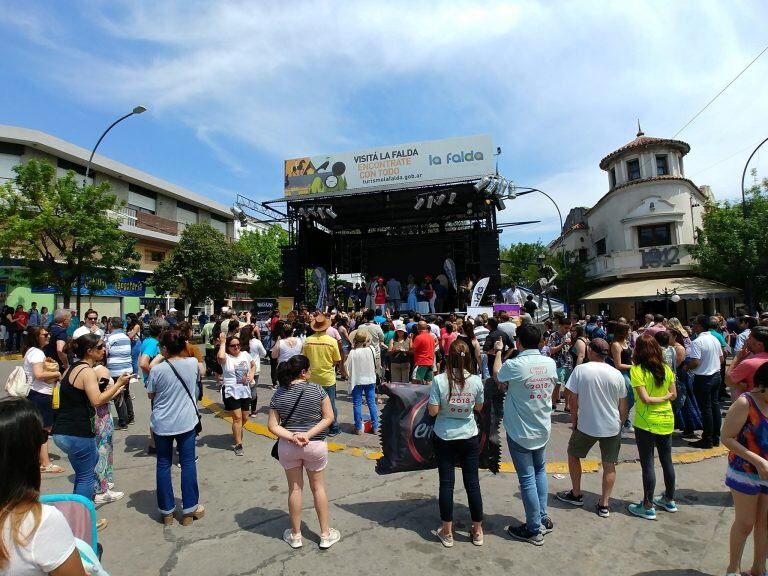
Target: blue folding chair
80, 514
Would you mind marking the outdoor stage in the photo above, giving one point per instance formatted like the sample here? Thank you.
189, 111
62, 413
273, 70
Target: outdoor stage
380, 232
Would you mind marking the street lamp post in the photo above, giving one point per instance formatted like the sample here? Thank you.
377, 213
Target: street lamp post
668, 295
562, 239
136, 110
745, 214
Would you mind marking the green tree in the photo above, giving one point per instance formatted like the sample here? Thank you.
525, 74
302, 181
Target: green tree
732, 249
203, 265
518, 262
63, 230
260, 254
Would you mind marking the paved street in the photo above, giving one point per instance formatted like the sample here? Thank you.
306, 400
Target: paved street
385, 521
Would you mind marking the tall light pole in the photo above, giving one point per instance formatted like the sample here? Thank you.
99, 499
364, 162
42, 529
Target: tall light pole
136, 110
745, 214
562, 238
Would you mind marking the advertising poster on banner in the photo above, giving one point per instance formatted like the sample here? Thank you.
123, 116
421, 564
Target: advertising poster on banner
285, 304
404, 165
263, 306
407, 429
129, 286
511, 309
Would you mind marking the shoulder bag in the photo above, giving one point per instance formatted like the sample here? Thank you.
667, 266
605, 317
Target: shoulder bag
199, 427
274, 451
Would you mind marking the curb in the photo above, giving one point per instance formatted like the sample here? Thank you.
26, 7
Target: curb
11, 358
587, 466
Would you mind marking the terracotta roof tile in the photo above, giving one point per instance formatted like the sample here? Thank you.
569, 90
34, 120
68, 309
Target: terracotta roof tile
643, 141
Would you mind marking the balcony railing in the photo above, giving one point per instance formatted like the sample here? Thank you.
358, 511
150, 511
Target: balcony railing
126, 216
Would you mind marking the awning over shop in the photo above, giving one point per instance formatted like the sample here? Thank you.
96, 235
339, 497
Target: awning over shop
690, 288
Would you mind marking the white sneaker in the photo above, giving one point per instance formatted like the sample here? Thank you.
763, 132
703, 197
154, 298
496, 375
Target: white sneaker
293, 540
328, 541
110, 485
108, 496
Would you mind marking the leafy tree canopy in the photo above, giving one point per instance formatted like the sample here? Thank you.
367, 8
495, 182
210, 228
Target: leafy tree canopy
732, 249
202, 266
259, 252
63, 229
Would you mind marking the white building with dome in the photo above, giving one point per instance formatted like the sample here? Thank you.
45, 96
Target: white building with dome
634, 241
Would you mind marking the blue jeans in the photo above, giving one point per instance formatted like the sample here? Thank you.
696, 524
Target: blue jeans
331, 391
370, 400
485, 373
83, 456
630, 396
531, 471
190, 494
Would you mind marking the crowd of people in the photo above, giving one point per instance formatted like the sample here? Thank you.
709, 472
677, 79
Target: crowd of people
640, 380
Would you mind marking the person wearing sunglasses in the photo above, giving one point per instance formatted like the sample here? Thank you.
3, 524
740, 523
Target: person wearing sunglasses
238, 369
74, 402
41, 376
91, 325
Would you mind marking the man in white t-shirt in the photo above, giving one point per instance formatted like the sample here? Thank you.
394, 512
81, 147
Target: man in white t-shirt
598, 401
706, 356
91, 325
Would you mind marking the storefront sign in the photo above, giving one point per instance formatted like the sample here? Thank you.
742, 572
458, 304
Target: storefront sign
128, 286
656, 258
404, 165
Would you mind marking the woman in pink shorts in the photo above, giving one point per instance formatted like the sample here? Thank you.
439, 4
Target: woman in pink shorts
299, 415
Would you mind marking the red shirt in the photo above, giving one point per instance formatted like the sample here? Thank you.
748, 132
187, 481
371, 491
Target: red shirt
21, 319
424, 349
381, 297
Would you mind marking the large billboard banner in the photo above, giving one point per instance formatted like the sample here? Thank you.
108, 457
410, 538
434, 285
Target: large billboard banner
403, 165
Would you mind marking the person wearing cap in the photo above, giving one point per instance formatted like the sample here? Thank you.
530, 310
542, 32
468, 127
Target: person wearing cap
753, 354
323, 353
171, 317
400, 354
598, 402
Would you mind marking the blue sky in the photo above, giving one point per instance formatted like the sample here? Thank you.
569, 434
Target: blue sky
233, 88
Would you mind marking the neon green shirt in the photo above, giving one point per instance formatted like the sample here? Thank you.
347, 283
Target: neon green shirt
653, 418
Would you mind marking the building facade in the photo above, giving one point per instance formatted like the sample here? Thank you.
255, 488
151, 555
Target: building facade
155, 214
634, 241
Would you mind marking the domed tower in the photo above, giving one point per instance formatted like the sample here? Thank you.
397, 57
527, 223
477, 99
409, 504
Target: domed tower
645, 158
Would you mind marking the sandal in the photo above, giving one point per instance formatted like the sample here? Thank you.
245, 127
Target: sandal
52, 469
446, 540
190, 516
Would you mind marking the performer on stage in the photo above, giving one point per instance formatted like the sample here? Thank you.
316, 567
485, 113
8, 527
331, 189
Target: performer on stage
412, 300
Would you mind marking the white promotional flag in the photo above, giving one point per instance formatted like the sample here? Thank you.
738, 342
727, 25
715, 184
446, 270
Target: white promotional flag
477, 293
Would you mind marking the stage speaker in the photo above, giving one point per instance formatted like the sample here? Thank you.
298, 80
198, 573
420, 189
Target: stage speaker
290, 262
488, 253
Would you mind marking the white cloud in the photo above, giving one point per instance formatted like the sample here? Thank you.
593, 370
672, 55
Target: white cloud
558, 84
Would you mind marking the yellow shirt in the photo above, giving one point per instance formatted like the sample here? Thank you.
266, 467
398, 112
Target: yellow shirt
323, 353
654, 418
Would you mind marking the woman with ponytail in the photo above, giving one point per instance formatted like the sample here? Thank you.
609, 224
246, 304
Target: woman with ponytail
653, 383
456, 394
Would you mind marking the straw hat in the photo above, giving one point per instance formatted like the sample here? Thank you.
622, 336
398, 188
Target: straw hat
320, 323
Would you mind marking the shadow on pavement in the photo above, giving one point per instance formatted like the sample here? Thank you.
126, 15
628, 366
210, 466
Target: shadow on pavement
272, 522
697, 497
216, 441
674, 572
136, 444
145, 502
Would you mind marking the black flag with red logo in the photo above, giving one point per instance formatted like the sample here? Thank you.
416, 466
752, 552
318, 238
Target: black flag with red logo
406, 429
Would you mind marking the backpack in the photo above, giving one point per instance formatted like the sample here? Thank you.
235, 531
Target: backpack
17, 384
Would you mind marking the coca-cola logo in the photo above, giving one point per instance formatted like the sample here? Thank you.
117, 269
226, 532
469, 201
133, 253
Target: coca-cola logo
420, 433
538, 370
